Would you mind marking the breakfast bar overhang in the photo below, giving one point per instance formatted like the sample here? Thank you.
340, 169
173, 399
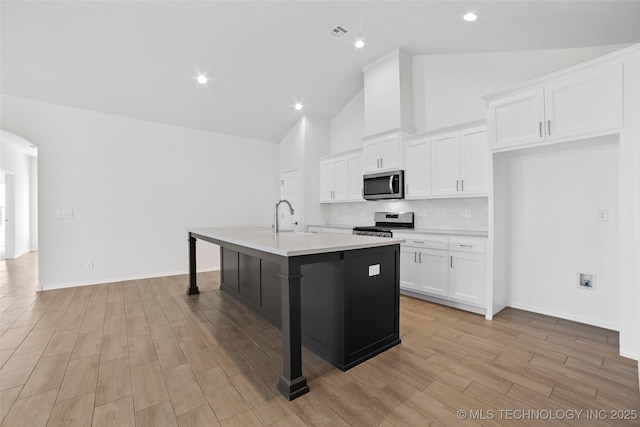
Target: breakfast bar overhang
337, 294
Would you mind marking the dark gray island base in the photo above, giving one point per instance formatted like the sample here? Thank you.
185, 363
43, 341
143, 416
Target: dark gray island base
344, 304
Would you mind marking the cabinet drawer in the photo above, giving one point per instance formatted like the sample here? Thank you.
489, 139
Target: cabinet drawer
424, 241
467, 244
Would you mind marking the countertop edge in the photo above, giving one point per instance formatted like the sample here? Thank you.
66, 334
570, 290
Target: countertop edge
451, 232
215, 235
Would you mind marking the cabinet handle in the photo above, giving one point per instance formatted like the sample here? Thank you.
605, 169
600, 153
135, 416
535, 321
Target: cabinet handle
549, 127
418, 241
465, 246
540, 128
406, 189
415, 257
462, 185
381, 163
457, 185
451, 263
420, 257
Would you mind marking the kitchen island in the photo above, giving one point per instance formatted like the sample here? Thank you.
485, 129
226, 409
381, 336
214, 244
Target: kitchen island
337, 294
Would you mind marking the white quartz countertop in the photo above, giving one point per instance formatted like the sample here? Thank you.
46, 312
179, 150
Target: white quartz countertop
408, 231
292, 243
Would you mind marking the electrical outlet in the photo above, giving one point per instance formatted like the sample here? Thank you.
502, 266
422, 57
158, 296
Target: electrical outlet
89, 265
602, 215
64, 213
423, 213
467, 214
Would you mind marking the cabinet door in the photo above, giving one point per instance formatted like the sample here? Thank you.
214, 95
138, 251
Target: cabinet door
355, 168
466, 277
433, 271
340, 179
371, 153
417, 174
587, 102
445, 164
326, 181
474, 161
518, 119
409, 268
391, 152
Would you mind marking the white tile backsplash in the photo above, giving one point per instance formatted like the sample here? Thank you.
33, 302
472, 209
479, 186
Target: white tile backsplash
439, 214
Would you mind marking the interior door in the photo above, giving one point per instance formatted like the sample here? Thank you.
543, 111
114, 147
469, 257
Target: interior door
9, 221
290, 190
2, 216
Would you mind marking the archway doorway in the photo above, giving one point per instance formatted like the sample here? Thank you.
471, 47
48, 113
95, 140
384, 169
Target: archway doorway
18, 196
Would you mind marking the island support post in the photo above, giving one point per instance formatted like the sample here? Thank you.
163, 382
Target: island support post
193, 286
292, 383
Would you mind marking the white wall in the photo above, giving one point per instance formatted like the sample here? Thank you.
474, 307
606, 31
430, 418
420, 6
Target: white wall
552, 232
134, 187
33, 202
447, 89
300, 149
16, 161
318, 135
347, 127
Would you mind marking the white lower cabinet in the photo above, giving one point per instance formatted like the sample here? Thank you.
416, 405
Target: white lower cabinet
466, 277
424, 270
451, 268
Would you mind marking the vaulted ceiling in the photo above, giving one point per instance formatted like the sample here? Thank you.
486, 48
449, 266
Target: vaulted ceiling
141, 59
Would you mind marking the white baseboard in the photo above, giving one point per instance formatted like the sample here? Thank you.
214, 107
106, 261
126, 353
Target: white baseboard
565, 316
43, 287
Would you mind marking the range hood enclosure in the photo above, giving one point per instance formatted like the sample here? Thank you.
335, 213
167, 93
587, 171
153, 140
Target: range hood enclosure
388, 94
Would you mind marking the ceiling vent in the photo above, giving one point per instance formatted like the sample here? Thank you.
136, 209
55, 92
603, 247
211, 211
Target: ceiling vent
338, 32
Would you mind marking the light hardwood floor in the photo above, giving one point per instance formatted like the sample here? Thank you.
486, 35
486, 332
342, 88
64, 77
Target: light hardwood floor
141, 353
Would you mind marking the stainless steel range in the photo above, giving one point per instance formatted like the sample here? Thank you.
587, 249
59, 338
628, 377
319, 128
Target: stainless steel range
386, 222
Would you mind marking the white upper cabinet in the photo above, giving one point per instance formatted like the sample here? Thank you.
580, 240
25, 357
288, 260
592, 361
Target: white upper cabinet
326, 180
341, 178
518, 119
586, 101
355, 168
459, 163
382, 153
474, 161
334, 179
445, 164
417, 176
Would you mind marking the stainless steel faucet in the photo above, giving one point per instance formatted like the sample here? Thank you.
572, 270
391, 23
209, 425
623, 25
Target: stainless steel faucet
276, 226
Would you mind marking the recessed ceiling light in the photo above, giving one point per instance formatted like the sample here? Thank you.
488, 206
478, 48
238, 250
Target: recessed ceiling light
359, 44
298, 106
470, 17
202, 79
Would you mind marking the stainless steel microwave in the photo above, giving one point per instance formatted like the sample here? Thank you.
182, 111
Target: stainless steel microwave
383, 185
